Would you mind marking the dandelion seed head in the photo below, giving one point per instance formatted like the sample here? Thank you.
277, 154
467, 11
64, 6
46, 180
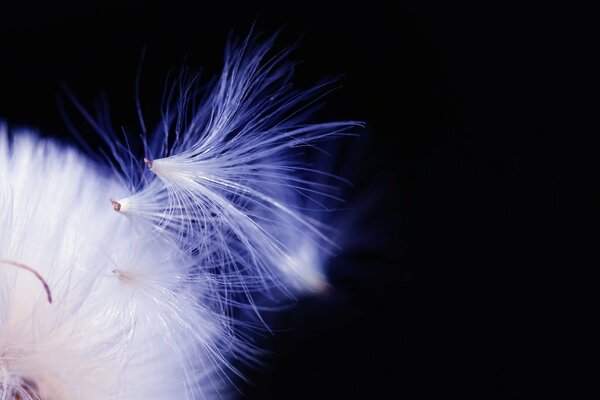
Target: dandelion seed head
154, 297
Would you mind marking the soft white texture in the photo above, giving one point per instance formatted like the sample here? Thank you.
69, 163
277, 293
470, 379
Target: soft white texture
154, 301
125, 323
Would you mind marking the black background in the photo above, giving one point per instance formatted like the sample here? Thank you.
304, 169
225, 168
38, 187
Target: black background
475, 272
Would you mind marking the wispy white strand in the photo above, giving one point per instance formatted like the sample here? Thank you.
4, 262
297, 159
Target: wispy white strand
225, 183
215, 220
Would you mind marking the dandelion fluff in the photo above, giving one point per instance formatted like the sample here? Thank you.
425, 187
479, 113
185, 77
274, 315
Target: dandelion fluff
138, 300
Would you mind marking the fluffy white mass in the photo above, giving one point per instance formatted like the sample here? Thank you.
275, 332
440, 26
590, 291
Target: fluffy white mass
125, 321
153, 301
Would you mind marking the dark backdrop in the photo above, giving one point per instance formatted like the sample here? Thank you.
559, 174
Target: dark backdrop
475, 273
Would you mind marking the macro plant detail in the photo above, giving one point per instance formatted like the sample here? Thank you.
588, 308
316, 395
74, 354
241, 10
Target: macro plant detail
145, 276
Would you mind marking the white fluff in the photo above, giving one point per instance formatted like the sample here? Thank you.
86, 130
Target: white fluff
143, 299
125, 322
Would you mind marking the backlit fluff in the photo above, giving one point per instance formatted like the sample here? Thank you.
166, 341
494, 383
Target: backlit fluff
211, 220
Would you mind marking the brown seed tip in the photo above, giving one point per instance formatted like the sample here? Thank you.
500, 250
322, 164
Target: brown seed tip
116, 205
148, 163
